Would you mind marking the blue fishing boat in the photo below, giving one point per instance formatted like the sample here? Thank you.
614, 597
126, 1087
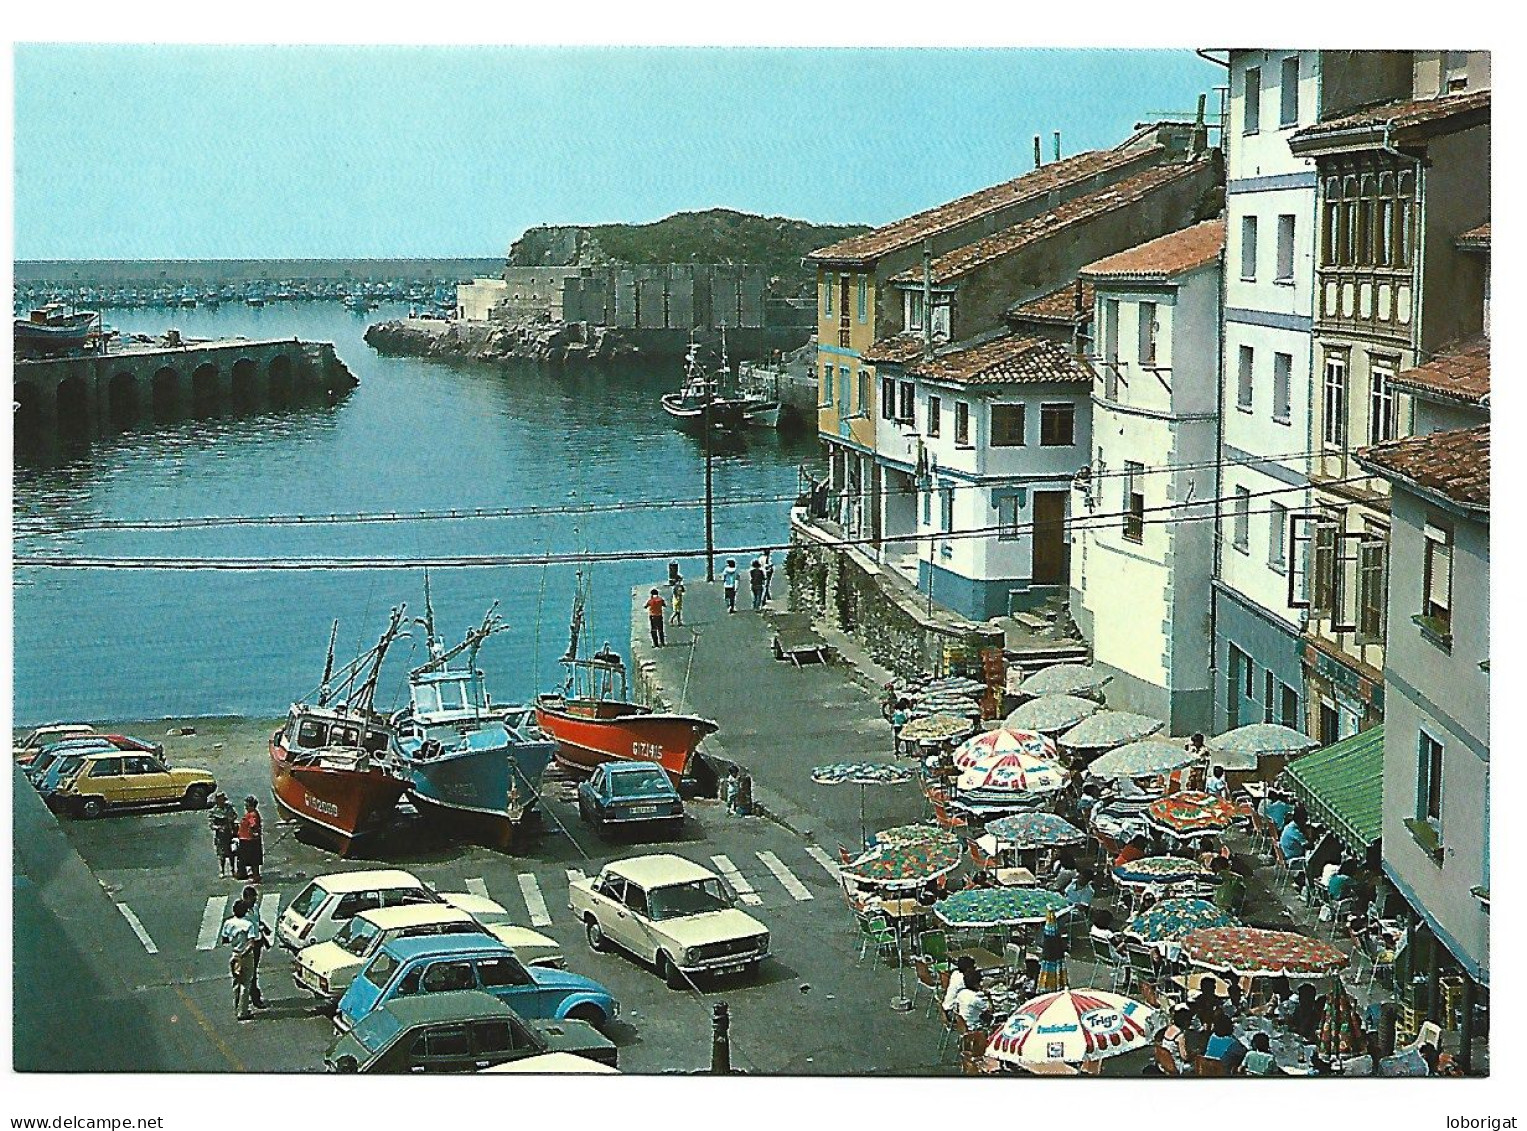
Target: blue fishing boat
473, 767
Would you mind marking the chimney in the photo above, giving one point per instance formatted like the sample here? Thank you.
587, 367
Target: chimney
1200, 131
928, 292
1057, 145
1038, 157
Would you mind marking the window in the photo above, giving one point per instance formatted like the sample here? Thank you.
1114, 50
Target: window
864, 392
827, 386
827, 295
1429, 781
448, 1041
1248, 248
1243, 386
1437, 583
1290, 707
1148, 333
492, 1037
1282, 369
106, 768
961, 424
1366, 212
1008, 511
1134, 501
935, 415
1288, 93
864, 298
1334, 422
1242, 529
946, 509
843, 387
1383, 409
928, 507
1277, 539
1349, 194
1251, 116
1330, 235
908, 407
443, 977
1455, 71
1285, 248
912, 310
1324, 598
1372, 589
1007, 426
1057, 425
504, 971
1269, 696
887, 399
1111, 349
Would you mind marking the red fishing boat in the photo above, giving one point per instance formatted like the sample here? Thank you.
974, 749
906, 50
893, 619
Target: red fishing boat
592, 720
331, 766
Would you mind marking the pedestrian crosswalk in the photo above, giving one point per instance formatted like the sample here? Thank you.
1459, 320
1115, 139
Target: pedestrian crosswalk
760, 879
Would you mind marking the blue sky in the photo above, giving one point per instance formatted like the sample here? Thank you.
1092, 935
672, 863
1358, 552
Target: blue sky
138, 151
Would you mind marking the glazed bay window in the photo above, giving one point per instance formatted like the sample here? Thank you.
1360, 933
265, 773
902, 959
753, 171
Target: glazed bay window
1007, 426
1277, 538
1372, 588
1288, 93
1241, 530
1282, 370
1436, 619
1134, 501
1251, 113
1008, 511
1057, 425
907, 410
1383, 408
1148, 331
935, 416
887, 398
1334, 404
961, 424
864, 392
827, 383
864, 298
1429, 782
1248, 249
1245, 359
1285, 249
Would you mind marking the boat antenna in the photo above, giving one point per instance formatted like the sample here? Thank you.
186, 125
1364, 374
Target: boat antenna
431, 641
328, 667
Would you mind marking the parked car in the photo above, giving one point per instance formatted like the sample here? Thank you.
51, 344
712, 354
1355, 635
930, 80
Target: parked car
461, 1031
39, 758
629, 793
326, 969
24, 751
534, 948
328, 903
46, 758
118, 780
412, 967
670, 912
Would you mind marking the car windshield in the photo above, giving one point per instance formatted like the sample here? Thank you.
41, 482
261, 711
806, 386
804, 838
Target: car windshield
358, 935
380, 969
67, 766
308, 901
642, 784
693, 898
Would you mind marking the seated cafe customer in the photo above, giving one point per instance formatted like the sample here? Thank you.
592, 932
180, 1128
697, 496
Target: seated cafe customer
1079, 891
1183, 1039
964, 967
970, 1004
1224, 1046
1292, 843
1259, 1060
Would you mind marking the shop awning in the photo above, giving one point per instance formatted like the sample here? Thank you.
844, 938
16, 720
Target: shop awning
1343, 787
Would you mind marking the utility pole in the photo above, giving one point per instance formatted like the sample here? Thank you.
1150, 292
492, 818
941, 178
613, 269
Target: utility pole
710, 535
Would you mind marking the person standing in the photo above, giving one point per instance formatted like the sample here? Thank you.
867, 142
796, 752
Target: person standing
239, 931
768, 564
251, 842
729, 584
756, 581
1052, 956
260, 945
655, 607
676, 583
222, 818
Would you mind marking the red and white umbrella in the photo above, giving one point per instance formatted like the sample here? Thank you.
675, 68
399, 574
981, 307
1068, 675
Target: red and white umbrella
1073, 1026
984, 749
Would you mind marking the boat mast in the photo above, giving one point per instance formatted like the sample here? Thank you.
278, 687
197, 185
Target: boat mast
328, 666
427, 621
491, 623
366, 693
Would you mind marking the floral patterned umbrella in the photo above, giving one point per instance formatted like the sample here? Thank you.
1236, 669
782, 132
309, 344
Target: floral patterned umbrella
1014, 773
1172, 919
907, 865
1074, 1026
998, 907
1052, 713
1004, 742
861, 774
1063, 679
1163, 870
1147, 758
1107, 729
1189, 813
1255, 952
1035, 830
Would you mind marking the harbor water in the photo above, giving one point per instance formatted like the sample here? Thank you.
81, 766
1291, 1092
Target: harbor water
415, 436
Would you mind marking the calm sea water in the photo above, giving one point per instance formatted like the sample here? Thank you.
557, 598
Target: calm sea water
415, 436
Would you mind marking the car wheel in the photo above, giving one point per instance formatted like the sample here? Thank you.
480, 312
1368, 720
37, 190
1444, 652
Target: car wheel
589, 1012
595, 935
197, 797
673, 977
91, 808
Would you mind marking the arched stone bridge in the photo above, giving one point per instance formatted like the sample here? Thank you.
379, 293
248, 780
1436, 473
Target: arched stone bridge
161, 382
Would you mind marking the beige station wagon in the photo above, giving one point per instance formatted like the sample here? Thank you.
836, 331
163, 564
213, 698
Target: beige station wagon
670, 912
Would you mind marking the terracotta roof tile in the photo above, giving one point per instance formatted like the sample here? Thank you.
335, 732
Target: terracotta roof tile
1397, 116
963, 260
899, 349
1461, 374
1476, 239
1455, 464
1173, 254
912, 230
1057, 306
1006, 360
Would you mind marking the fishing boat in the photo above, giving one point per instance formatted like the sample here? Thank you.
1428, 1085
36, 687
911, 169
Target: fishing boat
53, 328
593, 721
688, 405
473, 768
331, 768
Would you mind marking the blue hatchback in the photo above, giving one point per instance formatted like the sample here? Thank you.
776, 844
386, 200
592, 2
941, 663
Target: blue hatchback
426, 964
628, 793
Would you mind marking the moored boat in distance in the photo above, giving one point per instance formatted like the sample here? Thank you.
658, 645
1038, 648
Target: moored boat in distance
331, 766
52, 329
688, 404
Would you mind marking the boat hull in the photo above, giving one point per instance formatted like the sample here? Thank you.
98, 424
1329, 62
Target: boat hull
466, 794
764, 416
589, 733
723, 414
339, 806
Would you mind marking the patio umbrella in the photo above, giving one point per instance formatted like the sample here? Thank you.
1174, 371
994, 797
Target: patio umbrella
1052, 714
1255, 952
998, 907
1004, 740
1064, 679
907, 865
1074, 1026
1162, 870
861, 774
911, 834
1147, 758
1188, 813
936, 728
1014, 774
1035, 830
1107, 729
1173, 919
1243, 747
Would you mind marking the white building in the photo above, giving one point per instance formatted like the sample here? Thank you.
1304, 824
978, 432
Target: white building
1143, 562
475, 300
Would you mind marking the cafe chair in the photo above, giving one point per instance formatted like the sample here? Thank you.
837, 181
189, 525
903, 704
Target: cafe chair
973, 1060
935, 944
1209, 1066
955, 1027
1166, 1061
928, 981
875, 932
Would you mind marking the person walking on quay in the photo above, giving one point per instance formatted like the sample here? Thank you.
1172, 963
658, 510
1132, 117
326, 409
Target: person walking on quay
240, 932
222, 818
676, 583
768, 562
729, 584
756, 581
655, 607
251, 842
260, 945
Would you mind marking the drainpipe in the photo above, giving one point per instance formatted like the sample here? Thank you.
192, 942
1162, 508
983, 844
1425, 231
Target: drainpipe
1219, 490
928, 293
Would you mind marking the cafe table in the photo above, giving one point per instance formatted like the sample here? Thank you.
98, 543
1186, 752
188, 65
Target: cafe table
1016, 878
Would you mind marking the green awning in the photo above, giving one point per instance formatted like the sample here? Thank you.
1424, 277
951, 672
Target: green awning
1343, 787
